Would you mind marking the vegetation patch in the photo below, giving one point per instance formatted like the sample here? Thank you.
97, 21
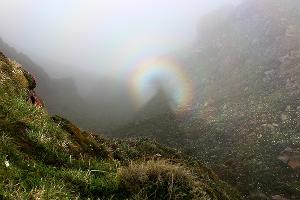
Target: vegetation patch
44, 157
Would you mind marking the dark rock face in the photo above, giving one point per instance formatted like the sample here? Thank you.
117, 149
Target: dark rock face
250, 111
35, 99
4, 58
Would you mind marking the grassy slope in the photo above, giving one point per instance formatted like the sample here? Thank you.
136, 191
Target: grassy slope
50, 158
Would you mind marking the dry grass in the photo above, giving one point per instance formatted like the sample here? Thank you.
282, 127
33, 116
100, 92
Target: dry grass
160, 180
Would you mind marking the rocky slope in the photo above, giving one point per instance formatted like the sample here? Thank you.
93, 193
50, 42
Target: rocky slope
43, 157
245, 123
249, 116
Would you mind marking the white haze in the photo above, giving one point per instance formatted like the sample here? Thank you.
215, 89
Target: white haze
89, 35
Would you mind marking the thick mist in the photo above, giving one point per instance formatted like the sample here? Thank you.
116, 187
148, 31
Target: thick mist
93, 53
99, 36
217, 80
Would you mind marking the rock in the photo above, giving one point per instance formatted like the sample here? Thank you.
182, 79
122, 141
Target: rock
278, 197
294, 163
269, 72
290, 84
268, 126
6, 162
157, 156
291, 157
284, 117
258, 196
35, 99
275, 125
205, 104
3, 58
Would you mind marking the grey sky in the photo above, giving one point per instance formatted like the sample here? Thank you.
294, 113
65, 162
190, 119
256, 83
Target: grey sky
101, 34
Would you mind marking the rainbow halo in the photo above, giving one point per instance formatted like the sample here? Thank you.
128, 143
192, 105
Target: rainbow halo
169, 74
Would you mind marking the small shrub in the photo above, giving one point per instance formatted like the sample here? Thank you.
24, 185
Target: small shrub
160, 180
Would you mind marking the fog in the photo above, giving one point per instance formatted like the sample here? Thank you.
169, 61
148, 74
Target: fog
101, 37
218, 80
104, 58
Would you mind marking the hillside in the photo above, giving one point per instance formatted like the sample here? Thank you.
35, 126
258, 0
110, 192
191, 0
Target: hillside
56, 93
43, 157
249, 116
155, 120
245, 122
98, 104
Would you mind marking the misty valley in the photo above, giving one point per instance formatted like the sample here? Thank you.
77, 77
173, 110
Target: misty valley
176, 100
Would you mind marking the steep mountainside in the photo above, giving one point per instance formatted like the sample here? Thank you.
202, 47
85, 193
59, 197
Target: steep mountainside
43, 157
250, 58
246, 119
56, 93
107, 104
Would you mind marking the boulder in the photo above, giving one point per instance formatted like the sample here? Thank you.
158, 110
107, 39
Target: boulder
291, 157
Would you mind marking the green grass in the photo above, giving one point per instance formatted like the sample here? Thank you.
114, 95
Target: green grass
44, 157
